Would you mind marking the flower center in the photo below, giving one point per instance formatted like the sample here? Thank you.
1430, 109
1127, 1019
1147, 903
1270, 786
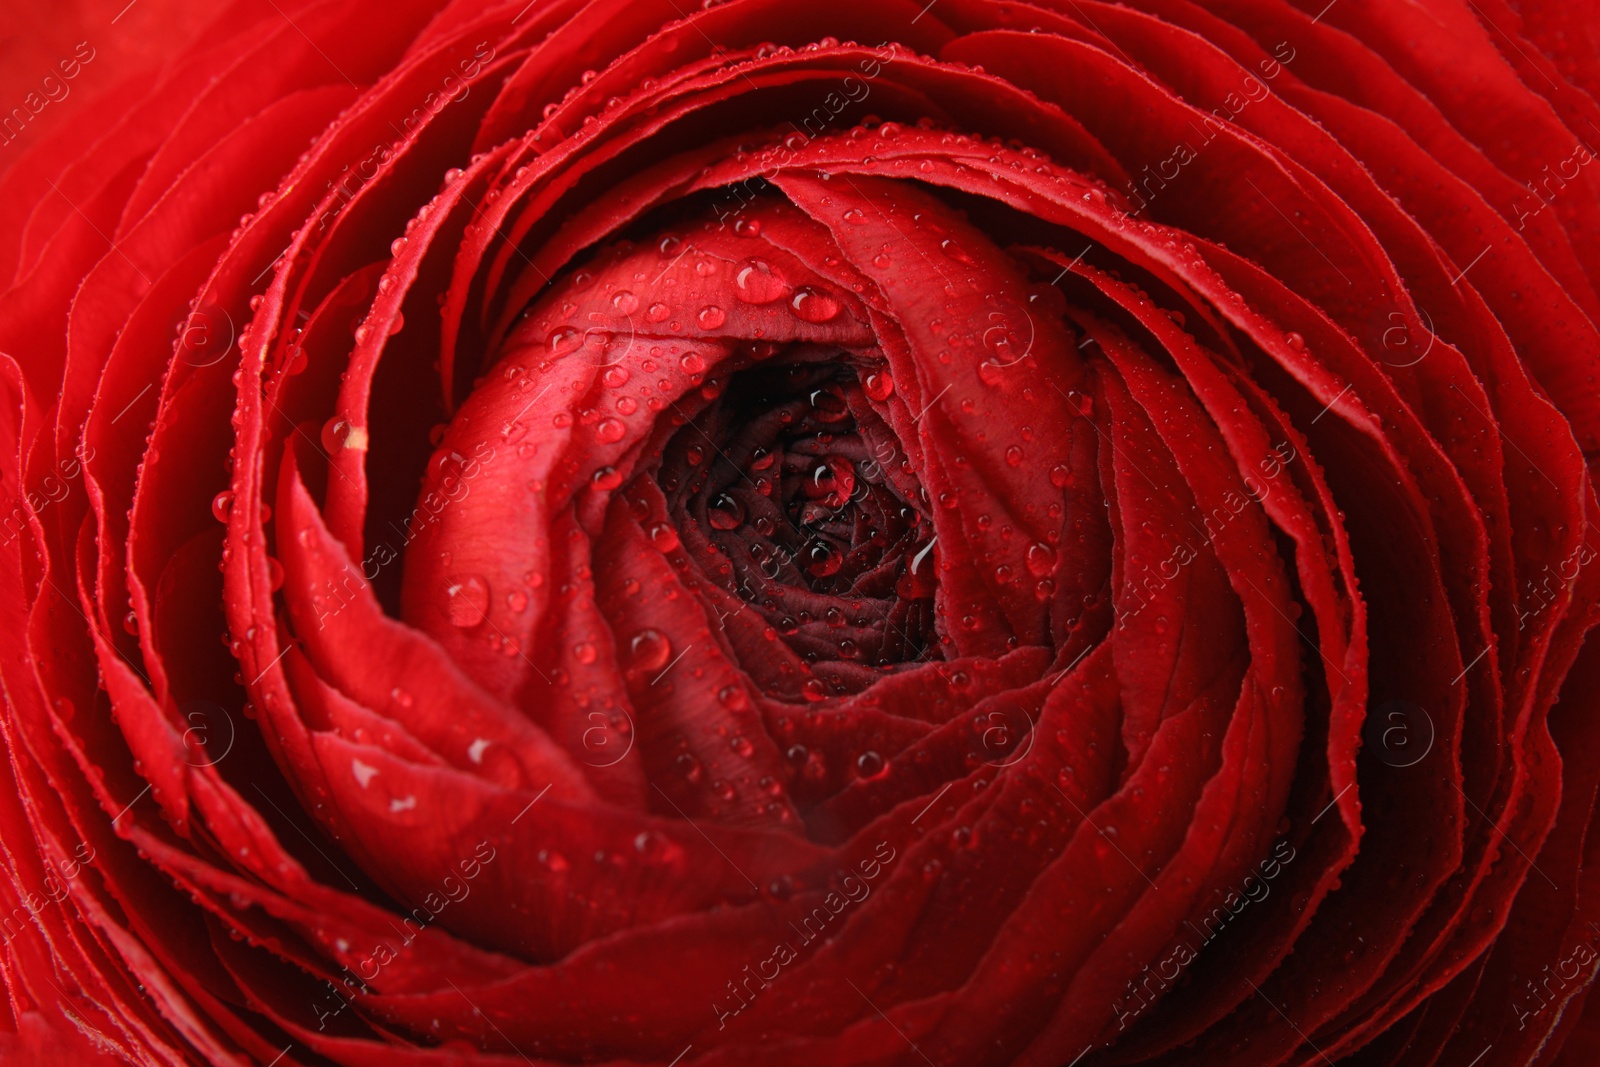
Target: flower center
796, 484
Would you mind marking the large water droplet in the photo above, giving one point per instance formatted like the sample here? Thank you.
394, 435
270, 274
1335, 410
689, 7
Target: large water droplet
466, 599
759, 282
564, 339
725, 513
813, 305
649, 650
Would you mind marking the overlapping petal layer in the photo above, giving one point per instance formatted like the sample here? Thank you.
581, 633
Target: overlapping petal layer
983, 533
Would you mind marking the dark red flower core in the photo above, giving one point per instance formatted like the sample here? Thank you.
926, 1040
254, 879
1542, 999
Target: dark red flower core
791, 490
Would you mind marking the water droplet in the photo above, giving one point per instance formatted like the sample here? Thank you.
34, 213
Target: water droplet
878, 386
725, 513
658, 312
466, 600
759, 282
222, 505
870, 764
1014, 455
625, 301
584, 652
813, 305
649, 650
822, 560
564, 339
954, 250
610, 431
337, 433
607, 478
711, 316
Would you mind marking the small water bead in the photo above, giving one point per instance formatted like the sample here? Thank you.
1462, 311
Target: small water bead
584, 652
222, 505
1041, 559
616, 377
670, 245
625, 301
664, 537
1061, 476
610, 431
878, 386
627, 405
813, 305
711, 316
607, 478
130, 624
658, 312
693, 363
466, 600
1014, 456
747, 227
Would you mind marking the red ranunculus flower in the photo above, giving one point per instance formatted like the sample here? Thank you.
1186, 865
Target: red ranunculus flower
966, 533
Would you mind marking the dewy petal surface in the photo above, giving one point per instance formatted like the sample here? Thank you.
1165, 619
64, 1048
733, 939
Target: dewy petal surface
979, 533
